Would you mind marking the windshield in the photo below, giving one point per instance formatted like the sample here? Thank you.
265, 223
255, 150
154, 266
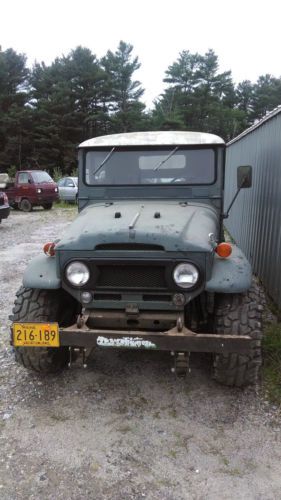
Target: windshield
39, 177
163, 166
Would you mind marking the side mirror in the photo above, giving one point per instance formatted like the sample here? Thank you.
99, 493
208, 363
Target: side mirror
244, 177
244, 180
30, 181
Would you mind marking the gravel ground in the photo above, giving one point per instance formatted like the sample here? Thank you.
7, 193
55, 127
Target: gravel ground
124, 428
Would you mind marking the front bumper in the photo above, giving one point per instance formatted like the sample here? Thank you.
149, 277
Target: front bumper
170, 340
4, 212
47, 198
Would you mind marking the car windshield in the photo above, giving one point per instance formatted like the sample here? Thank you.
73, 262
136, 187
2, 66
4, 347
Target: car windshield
39, 177
161, 166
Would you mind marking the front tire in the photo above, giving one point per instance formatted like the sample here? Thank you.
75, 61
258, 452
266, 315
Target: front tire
239, 314
34, 305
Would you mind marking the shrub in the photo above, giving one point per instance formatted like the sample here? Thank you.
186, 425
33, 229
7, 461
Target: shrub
272, 362
57, 174
12, 170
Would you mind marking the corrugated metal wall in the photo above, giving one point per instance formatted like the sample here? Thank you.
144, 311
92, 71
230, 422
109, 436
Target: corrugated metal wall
255, 219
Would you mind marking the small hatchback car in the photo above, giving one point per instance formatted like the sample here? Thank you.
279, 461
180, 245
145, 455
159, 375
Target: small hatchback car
68, 188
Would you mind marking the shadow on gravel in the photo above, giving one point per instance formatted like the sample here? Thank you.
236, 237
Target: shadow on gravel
134, 383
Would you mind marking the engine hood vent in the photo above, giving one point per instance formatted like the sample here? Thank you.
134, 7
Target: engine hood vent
129, 246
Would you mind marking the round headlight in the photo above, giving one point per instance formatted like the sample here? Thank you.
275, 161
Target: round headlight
186, 275
77, 273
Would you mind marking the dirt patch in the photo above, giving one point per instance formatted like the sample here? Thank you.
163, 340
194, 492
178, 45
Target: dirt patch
124, 428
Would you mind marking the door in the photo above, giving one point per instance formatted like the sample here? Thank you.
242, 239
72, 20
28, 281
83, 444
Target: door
70, 189
23, 189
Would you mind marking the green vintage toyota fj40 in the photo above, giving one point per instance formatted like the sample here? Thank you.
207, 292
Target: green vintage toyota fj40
144, 265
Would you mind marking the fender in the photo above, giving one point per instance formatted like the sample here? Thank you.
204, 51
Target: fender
232, 275
41, 272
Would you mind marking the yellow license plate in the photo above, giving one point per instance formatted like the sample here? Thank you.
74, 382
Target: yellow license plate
36, 334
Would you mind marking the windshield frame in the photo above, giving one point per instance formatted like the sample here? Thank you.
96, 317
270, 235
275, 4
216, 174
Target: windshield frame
167, 148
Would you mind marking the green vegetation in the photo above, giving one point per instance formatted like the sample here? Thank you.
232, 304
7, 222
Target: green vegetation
272, 362
124, 429
65, 204
46, 111
11, 171
57, 174
74, 172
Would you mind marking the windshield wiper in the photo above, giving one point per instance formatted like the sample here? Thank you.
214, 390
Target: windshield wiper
104, 161
165, 159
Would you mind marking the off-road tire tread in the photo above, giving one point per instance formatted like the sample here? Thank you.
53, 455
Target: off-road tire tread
39, 305
239, 314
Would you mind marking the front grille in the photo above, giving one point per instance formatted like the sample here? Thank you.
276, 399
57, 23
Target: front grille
134, 276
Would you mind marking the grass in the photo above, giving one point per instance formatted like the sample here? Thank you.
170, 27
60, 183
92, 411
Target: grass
59, 417
235, 472
64, 204
173, 413
96, 466
272, 362
225, 461
274, 308
124, 429
228, 236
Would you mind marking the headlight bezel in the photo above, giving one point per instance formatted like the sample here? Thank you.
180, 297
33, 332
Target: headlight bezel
87, 269
190, 287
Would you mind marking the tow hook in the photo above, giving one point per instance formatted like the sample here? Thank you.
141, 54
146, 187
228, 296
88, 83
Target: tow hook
181, 364
74, 352
179, 324
82, 320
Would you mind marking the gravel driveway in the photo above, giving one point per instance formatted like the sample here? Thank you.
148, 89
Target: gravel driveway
124, 428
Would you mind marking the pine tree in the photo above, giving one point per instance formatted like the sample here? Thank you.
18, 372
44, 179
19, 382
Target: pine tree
68, 99
198, 97
266, 96
123, 93
14, 115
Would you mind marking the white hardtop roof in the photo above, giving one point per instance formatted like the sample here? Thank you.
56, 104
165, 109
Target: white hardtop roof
153, 139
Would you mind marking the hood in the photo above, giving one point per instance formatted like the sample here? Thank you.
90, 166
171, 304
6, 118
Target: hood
174, 226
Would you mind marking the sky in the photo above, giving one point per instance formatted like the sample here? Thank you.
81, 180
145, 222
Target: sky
244, 34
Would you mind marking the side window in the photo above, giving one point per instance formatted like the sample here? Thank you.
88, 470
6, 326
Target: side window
69, 183
23, 178
61, 182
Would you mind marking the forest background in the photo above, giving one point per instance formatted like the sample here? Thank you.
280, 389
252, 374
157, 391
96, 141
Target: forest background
46, 111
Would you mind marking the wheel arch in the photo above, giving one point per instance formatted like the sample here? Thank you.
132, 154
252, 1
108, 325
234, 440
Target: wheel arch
42, 273
231, 275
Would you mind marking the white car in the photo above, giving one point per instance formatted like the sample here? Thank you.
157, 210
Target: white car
68, 188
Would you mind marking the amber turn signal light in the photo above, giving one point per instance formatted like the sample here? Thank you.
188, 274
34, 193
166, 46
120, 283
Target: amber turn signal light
223, 250
49, 249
